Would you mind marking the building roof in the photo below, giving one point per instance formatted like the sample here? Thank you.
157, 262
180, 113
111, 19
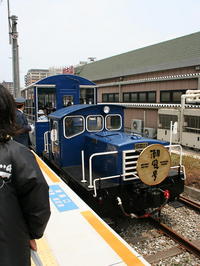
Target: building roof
180, 52
38, 70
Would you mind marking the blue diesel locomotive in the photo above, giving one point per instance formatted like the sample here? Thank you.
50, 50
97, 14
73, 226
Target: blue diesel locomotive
114, 171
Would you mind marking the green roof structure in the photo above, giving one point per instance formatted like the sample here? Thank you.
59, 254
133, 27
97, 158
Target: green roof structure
176, 53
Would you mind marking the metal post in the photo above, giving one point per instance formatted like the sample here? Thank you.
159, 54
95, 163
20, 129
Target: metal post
198, 84
15, 56
83, 167
183, 97
170, 139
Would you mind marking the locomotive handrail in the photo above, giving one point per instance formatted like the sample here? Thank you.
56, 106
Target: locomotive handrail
83, 167
92, 183
90, 163
46, 142
176, 146
181, 157
102, 178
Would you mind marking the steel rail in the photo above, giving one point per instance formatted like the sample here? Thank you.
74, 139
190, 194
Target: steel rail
191, 203
185, 243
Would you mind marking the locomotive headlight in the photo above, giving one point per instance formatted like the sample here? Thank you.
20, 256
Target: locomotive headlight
106, 109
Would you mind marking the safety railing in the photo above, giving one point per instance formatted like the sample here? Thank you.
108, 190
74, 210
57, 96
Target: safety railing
180, 165
92, 182
90, 165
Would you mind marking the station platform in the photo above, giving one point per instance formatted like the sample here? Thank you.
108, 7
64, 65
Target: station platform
76, 235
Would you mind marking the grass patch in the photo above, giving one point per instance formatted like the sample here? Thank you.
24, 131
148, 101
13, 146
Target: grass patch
192, 168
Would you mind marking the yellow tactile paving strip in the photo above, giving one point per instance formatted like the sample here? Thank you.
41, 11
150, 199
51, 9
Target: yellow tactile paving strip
45, 253
120, 248
47, 170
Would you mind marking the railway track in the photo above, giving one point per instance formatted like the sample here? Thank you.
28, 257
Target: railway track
186, 244
183, 243
173, 240
190, 203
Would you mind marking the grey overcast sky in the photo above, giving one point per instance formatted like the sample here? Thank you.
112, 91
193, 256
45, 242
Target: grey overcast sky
56, 33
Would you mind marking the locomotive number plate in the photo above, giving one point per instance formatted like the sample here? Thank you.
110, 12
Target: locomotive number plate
140, 146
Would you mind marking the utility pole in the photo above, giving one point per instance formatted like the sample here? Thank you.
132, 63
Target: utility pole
13, 40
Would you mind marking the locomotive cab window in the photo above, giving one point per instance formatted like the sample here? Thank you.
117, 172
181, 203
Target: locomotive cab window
113, 122
46, 99
73, 126
94, 123
87, 95
68, 100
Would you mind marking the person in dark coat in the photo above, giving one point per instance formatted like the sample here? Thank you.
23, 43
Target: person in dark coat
22, 134
24, 196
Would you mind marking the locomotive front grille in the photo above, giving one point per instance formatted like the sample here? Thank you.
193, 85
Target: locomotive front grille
130, 158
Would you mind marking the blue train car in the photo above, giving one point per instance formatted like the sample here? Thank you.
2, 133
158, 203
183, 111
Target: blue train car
114, 170
50, 94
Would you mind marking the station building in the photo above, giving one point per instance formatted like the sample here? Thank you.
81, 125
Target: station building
148, 78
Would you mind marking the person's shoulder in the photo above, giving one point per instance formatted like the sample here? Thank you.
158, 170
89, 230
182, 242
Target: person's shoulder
21, 151
14, 145
18, 113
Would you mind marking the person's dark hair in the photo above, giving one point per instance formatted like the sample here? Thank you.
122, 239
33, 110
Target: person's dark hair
7, 114
19, 105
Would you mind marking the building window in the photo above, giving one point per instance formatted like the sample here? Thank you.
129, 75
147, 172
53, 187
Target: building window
192, 124
151, 97
165, 121
104, 97
126, 97
176, 96
142, 97
110, 97
133, 97
173, 96
164, 96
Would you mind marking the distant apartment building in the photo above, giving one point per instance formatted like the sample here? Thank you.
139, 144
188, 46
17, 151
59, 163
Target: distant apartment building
8, 85
34, 75
55, 71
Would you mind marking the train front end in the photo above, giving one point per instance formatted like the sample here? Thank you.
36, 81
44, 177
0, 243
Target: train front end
133, 172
